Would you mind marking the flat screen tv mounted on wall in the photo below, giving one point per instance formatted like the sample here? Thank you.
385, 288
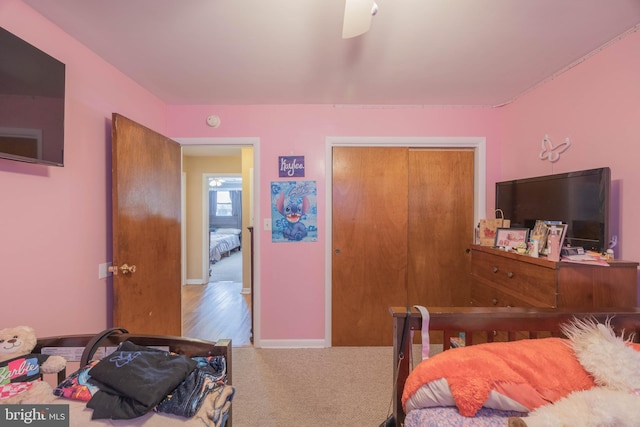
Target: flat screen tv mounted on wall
579, 199
32, 92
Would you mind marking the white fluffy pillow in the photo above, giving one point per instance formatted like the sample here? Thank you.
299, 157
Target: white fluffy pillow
612, 360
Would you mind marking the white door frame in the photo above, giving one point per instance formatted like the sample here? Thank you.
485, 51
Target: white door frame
253, 142
478, 144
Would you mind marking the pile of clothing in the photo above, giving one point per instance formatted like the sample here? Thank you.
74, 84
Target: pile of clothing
134, 380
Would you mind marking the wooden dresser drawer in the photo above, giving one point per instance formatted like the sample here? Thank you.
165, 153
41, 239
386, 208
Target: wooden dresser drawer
488, 296
500, 278
528, 281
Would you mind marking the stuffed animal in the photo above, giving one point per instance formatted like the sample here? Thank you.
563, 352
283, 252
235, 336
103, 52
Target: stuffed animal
20, 370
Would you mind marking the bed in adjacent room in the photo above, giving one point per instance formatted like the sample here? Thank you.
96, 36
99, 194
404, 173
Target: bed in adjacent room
516, 367
222, 242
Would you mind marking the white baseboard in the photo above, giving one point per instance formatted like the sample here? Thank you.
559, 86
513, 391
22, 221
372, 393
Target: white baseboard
195, 282
292, 344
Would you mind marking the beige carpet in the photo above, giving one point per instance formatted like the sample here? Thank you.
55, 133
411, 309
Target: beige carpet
349, 386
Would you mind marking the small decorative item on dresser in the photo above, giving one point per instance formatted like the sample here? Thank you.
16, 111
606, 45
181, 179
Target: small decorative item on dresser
489, 227
610, 255
553, 244
521, 248
534, 248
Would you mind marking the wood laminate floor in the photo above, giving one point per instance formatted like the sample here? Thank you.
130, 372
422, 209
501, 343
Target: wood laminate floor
217, 310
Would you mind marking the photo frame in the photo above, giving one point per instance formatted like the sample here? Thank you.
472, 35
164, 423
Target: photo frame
544, 248
540, 232
511, 237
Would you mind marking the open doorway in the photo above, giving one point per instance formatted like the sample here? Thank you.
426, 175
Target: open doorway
224, 232
218, 199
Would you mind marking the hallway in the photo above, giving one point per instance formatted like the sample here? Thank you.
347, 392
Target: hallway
218, 309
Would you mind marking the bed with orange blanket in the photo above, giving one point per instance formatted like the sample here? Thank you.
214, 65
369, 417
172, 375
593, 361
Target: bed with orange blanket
522, 360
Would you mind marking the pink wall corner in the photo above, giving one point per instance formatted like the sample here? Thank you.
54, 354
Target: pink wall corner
292, 277
595, 105
55, 221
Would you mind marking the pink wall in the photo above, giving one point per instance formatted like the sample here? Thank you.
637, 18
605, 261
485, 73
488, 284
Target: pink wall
54, 222
596, 105
292, 276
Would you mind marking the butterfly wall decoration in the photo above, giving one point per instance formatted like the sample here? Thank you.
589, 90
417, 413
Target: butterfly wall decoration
551, 153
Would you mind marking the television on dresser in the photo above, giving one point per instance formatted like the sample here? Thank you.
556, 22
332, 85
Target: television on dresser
579, 199
32, 97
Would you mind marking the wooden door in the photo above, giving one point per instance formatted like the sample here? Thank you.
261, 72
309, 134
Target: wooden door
369, 237
402, 220
441, 199
146, 229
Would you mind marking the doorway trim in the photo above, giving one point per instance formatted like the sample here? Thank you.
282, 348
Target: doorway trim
254, 143
478, 144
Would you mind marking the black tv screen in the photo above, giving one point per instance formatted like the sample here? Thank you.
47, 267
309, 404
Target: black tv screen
579, 199
32, 91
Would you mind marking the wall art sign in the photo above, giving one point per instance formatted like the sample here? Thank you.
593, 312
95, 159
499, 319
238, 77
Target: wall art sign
291, 166
294, 211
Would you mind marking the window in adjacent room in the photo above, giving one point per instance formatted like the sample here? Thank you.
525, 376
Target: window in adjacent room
223, 203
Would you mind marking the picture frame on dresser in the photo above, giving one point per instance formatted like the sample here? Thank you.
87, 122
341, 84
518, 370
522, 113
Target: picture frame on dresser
511, 237
540, 232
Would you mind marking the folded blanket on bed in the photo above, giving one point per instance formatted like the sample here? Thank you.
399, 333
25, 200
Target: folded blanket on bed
134, 379
529, 372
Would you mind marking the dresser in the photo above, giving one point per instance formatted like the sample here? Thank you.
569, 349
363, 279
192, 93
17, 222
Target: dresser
505, 279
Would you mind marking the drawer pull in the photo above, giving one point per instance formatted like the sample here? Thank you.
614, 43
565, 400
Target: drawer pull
495, 269
494, 301
510, 274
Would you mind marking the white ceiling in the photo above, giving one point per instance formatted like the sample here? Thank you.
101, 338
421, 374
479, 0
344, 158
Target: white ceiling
418, 52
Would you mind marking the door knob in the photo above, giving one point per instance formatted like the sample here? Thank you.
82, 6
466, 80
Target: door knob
124, 268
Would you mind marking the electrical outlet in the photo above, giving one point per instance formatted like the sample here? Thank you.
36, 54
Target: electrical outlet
103, 270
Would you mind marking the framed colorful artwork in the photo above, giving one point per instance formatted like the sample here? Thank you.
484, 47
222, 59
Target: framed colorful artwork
511, 237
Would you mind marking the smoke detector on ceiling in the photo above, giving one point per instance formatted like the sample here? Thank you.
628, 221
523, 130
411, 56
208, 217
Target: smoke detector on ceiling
213, 121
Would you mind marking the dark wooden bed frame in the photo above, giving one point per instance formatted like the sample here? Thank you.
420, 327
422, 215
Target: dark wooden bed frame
112, 337
482, 324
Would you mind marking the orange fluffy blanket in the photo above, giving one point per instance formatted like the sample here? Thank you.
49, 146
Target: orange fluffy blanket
531, 372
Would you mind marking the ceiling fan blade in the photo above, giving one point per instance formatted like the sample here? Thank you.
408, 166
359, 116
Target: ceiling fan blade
357, 17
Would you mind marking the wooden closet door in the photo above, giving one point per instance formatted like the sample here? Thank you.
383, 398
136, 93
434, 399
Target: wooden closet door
441, 193
369, 236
